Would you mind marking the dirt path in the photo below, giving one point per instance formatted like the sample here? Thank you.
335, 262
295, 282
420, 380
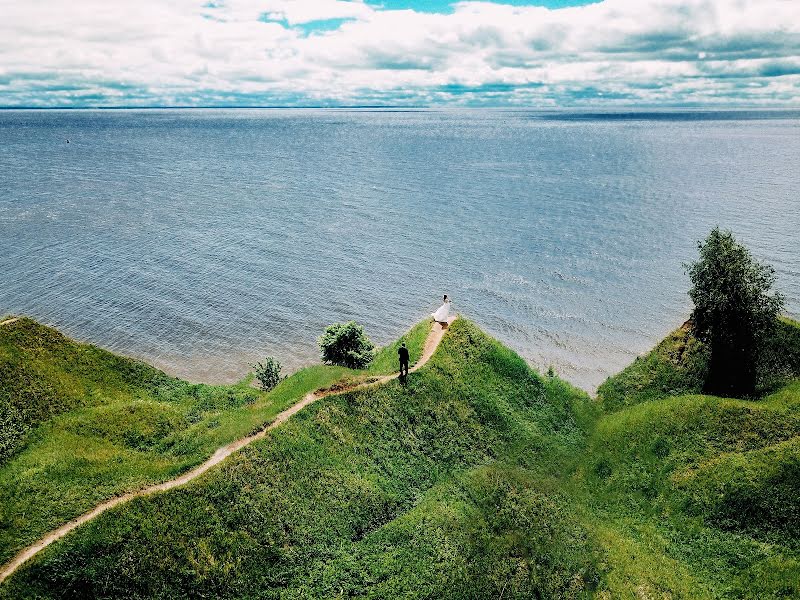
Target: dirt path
431, 343
9, 322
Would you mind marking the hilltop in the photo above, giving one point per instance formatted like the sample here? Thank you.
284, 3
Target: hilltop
80, 425
479, 478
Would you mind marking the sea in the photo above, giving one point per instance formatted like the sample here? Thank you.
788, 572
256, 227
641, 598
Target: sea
203, 240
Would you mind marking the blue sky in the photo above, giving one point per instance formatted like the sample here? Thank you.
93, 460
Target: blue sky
399, 52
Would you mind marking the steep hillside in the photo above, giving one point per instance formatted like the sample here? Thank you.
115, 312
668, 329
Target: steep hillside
697, 496
443, 487
80, 425
478, 478
679, 364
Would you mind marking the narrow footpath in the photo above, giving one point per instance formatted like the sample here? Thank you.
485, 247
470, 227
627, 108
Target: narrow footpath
431, 343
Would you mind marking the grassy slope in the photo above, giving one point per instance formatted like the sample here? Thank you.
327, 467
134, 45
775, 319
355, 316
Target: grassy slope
692, 495
479, 479
679, 364
79, 424
386, 360
444, 487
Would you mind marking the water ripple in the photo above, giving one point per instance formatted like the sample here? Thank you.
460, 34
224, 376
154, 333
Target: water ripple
203, 240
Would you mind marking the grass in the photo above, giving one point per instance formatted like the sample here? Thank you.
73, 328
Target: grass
376, 492
79, 425
679, 365
478, 478
386, 360
693, 495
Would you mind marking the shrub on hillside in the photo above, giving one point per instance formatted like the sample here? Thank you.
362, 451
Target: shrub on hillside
347, 345
735, 311
12, 430
268, 373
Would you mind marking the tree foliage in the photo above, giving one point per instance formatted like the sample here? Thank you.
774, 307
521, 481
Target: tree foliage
347, 345
268, 373
734, 311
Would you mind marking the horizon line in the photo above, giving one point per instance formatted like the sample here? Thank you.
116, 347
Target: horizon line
413, 107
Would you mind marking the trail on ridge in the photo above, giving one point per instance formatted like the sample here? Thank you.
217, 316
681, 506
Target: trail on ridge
431, 343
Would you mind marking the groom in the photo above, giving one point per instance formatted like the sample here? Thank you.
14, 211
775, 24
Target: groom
402, 352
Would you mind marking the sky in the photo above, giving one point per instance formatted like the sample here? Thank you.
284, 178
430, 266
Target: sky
546, 53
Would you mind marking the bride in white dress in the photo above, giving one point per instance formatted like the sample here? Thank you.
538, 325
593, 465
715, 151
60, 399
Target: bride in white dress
443, 312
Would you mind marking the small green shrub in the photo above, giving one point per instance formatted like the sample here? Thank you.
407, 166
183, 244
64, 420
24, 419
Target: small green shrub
268, 373
12, 430
346, 345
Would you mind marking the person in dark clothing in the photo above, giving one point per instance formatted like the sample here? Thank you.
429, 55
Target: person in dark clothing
402, 352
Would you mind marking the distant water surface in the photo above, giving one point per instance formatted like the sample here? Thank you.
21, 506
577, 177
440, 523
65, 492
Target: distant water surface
203, 240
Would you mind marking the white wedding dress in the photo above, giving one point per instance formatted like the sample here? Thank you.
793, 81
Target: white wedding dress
442, 313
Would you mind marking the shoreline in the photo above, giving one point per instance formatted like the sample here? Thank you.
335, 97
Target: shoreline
203, 369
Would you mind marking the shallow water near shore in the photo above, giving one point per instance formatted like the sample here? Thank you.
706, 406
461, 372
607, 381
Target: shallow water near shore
203, 240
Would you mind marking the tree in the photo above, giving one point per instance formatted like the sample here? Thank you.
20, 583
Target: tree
734, 311
268, 373
347, 345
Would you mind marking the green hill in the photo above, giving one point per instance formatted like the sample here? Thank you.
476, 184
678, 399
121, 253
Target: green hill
703, 491
79, 425
310, 509
479, 478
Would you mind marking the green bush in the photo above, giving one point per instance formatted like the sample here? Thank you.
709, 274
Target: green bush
12, 430
346, 345
268, 373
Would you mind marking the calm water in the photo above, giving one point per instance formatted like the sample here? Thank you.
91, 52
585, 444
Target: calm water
201, 241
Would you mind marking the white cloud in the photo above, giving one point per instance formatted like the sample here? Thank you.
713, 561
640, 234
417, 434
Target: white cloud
298, 12
56, 52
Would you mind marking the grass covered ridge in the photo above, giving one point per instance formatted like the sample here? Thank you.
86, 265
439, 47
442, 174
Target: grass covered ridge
679, 365
436, 488
479, 478
79, 425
